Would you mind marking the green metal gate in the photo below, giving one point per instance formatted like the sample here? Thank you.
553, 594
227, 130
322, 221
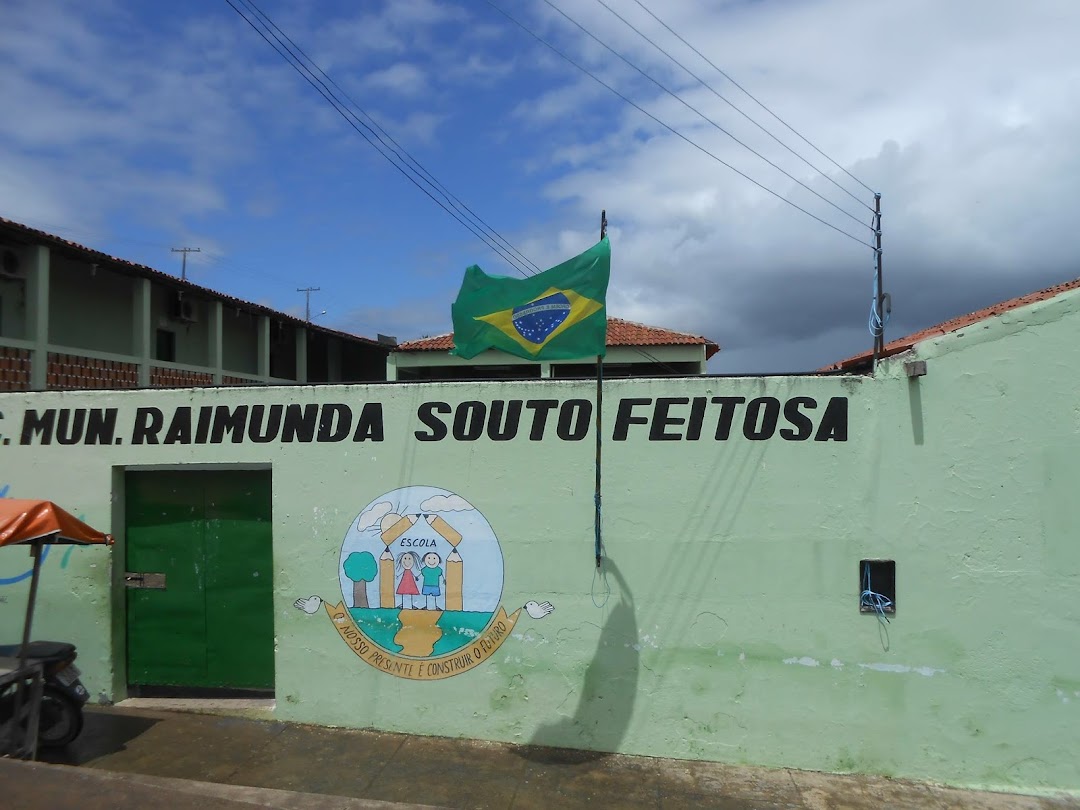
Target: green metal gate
208, 622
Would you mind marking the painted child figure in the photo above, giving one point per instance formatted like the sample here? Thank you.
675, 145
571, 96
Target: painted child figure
407, 563
432, 575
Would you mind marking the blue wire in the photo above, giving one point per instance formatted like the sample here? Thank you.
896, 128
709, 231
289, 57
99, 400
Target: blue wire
873, 600
876, 325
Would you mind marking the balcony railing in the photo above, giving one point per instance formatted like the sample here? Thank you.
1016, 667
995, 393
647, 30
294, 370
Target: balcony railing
14, 369
72, 369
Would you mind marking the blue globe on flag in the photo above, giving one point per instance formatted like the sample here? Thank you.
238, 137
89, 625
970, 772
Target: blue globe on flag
536, 320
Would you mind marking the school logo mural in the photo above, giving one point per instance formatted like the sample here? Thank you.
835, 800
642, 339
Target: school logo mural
421, 576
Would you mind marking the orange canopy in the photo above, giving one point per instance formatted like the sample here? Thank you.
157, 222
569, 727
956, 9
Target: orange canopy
23, 521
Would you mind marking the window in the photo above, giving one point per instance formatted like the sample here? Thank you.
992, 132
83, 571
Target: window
166, 346
877, 586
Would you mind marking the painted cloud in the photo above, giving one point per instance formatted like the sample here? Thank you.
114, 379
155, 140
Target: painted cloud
446, 503
372, 515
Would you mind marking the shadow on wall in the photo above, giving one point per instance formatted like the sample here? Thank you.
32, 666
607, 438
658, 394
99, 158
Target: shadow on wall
915, 403
606, 701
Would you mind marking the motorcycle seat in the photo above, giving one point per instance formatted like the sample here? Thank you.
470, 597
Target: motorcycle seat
47, 651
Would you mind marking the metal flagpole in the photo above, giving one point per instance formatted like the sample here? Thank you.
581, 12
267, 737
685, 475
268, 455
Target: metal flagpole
599, 417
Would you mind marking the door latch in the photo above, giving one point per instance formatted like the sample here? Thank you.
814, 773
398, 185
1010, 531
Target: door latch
153, 582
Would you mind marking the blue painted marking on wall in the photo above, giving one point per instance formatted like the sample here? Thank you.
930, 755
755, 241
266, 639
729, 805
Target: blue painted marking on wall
26, 574
44, 554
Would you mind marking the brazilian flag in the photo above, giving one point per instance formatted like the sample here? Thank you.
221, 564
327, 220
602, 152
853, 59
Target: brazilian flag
559, 314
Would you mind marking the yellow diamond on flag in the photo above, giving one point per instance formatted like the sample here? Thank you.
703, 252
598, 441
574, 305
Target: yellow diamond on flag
534, 324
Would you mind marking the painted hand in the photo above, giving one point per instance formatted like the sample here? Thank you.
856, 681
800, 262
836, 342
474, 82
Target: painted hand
309, 605
539, 610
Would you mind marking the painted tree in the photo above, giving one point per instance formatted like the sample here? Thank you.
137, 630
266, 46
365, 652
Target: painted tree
360, 567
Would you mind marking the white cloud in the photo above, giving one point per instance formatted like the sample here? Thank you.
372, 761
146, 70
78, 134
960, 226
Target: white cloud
402, 78
116, 114
411, 13
966, 123
555, 105
109, 122
373, 514
477, 67
45, 203
417, 127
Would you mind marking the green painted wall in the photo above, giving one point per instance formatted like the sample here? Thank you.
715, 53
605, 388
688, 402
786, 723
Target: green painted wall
89, 309
13, 309
732, 630
240, 341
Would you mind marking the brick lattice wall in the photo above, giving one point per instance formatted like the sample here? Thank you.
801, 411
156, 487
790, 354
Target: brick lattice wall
72, 371
228, 380
178, 378
14, 369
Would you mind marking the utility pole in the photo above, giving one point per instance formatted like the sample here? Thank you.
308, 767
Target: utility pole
307, 291
882, 301
183, 265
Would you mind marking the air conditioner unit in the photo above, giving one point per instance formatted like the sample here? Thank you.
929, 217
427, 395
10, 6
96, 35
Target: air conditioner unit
9, 266
183, 309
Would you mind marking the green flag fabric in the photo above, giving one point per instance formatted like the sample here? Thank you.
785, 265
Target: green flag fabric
559, 314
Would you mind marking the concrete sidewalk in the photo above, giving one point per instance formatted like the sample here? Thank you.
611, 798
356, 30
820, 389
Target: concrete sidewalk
33, 785
129, 758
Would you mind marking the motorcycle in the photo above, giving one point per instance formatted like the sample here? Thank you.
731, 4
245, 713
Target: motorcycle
56, 709
63, 694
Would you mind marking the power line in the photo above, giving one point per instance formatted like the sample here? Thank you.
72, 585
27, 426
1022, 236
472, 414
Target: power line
751, 95
359, 126
668, 127
653, 358
730, 103
384, 136
694, 109
230, 264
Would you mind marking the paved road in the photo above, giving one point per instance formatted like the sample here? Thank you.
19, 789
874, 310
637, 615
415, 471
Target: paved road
128, 759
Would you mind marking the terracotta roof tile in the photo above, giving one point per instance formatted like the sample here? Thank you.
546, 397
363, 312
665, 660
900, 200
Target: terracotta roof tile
435, 343
143, 271
905, 343
619, 333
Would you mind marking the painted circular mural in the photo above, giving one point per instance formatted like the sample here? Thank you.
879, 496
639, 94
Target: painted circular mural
421, 572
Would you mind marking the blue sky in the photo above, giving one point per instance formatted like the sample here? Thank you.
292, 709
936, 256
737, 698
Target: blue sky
136, 127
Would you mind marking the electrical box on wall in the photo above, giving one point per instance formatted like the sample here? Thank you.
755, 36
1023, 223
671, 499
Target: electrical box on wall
10, 267
877, 586
182, 308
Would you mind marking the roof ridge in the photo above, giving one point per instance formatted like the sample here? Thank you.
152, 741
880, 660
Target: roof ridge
621, 333
660, 328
